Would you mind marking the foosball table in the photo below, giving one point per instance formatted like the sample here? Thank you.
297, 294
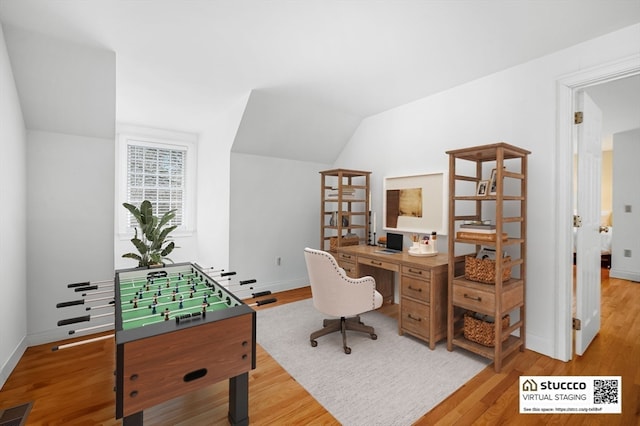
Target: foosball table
177, 330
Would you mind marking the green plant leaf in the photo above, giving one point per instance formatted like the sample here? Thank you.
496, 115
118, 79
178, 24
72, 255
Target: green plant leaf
167, 217
140, 245
132, 256
168, 249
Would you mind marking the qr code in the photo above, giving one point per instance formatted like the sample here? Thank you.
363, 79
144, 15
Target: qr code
605, 391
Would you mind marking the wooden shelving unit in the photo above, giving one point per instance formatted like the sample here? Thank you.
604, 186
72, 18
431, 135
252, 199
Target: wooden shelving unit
344, 214
506, 207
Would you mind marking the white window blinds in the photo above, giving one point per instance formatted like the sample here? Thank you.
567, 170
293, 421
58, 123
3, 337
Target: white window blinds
156, 174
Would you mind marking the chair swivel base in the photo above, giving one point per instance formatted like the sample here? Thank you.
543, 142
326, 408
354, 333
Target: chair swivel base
342, 324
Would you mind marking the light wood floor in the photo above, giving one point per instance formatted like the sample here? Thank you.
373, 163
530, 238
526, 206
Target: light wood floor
75, 386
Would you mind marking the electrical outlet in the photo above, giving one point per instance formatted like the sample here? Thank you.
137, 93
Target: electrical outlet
627, 253
627, 208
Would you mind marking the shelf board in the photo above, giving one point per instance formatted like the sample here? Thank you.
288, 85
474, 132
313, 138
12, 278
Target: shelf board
488, 152
508, 346
345, 200
490, 288
507, 242
487, 198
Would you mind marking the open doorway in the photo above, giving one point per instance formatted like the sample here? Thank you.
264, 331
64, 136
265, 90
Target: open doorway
567, 87
615, 106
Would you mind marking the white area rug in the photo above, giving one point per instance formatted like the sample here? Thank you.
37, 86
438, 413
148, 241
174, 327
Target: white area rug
393, 380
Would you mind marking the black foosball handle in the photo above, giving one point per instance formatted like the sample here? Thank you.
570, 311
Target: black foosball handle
86, 288
78, 284
70, 303
266, 301
261, 293
74, 320
245, 282
226, 274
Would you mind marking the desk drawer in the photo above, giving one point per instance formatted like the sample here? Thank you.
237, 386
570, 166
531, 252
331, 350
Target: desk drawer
414, 317
389, 266
349, 268
418, 289
345, 257
412, 271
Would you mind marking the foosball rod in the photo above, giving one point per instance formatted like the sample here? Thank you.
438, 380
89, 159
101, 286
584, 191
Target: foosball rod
81, 319
82, 301
95, 327
86, 283
95, 293
82, 342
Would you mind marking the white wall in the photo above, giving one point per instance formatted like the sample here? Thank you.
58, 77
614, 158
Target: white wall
517, 106
13, 248
276, 213
214, 174
70, 195
626, 225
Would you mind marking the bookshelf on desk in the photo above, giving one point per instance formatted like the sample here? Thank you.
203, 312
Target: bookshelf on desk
505, 203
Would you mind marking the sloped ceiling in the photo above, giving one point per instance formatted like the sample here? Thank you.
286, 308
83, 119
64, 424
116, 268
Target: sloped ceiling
313, 68
63, 87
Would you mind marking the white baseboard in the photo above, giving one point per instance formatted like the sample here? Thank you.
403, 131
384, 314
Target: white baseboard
625, 275
13, 360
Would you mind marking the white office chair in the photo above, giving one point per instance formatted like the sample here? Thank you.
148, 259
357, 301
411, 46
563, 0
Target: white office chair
335, 294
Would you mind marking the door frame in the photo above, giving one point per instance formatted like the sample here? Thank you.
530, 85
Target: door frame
566, 87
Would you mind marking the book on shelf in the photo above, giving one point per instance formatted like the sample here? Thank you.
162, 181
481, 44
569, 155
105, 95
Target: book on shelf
478, 228
480, 236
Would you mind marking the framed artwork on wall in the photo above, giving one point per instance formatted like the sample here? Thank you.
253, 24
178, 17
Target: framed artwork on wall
415, 203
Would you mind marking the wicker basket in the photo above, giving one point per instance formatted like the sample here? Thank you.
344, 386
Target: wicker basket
344, 241
482, 331
484, 270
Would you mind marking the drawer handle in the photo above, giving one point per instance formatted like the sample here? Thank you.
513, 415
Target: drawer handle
476, 298
415, 289
346, 256
414, 318
413, 271
376, 263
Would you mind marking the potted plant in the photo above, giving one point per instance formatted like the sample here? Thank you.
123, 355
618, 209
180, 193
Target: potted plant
153, 244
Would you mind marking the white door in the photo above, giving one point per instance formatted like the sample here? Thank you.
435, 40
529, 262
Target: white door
589, 148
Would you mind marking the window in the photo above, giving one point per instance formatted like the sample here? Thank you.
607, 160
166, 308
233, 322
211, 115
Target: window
158, 166
156, 174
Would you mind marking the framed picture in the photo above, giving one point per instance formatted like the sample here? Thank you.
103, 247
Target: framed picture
492, 182
415, 203
483, 187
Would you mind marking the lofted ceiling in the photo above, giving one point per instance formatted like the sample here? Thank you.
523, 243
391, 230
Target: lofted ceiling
311, 70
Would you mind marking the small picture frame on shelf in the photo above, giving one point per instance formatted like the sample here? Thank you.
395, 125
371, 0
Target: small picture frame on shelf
492, 182
482, 188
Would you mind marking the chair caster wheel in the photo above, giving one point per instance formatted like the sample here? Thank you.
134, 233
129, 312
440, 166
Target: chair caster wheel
347, 350
314, 343
374, 336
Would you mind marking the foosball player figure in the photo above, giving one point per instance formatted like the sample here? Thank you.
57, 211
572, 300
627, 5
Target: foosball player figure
166, 314
168, 282
181, 299
191, 294
135, 302
159, 290
173, 296
153, 307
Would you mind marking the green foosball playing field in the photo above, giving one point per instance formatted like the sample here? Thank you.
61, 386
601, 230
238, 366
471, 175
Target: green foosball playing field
174, 297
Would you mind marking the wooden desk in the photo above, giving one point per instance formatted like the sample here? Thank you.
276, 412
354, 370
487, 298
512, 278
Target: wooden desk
423, 286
